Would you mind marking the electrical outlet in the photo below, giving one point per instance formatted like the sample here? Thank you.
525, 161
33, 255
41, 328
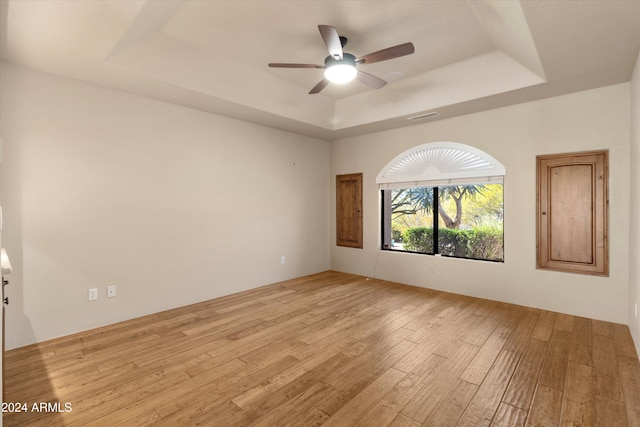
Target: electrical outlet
636, 310
111, 291
93, 294
282, 259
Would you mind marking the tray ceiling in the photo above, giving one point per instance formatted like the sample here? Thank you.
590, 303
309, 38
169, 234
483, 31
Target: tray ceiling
213, 55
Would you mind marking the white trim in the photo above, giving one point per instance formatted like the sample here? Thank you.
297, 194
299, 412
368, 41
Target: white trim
440, 163
443, 182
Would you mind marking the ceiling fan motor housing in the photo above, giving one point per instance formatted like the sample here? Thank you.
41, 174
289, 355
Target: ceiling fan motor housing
347, 59
340, 71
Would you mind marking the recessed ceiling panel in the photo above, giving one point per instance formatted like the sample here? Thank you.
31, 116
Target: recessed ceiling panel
212, 54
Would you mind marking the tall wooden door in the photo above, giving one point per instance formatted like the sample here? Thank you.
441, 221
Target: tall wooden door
349, 210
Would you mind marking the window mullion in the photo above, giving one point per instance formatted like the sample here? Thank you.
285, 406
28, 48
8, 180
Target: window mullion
435, 207
386, 220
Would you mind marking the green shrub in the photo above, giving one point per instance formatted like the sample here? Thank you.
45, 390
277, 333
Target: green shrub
479, 243
418, 239
487, 243
396, 235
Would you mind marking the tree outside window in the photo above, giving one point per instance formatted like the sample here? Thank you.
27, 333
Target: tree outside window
468, 224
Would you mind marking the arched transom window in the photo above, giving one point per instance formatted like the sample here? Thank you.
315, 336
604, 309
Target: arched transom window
443, 198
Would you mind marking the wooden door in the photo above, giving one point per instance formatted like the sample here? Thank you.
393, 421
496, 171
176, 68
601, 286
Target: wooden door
572, 212
349, 210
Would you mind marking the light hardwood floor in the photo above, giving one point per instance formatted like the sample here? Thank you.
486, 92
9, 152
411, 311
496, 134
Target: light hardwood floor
334, 349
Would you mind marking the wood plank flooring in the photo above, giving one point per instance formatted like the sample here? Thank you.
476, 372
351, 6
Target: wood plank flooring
334, 349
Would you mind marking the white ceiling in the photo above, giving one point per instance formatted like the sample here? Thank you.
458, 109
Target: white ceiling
212, 54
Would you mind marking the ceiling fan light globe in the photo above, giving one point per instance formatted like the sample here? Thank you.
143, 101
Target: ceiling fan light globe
340, 73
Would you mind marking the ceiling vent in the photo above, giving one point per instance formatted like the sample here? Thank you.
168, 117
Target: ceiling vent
424, 116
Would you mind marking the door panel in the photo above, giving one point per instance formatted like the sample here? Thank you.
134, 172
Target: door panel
572, 209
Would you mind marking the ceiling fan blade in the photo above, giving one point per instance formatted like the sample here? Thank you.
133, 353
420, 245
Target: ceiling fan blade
370, 80
284, 65
331, 40
317, 88
388, 53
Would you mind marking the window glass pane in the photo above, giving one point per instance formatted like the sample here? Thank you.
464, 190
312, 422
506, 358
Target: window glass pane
412, 219
471, 221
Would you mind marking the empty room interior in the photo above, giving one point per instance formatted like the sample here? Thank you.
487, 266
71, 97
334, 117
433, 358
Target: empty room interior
305, 213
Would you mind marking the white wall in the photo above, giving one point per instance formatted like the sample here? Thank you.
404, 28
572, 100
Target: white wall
595, 119
100, 187
634, 223
172, 205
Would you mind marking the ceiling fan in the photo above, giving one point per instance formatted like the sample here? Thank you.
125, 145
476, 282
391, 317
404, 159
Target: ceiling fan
342, 67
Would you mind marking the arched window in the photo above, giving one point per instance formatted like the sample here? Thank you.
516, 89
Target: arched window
443, 198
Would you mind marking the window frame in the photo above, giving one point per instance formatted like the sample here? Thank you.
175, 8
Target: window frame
386, 225
435, 165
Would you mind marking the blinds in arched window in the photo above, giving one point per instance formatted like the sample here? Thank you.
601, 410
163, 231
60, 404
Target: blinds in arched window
440, 163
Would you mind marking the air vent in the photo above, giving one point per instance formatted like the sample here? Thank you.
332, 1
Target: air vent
424, 116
